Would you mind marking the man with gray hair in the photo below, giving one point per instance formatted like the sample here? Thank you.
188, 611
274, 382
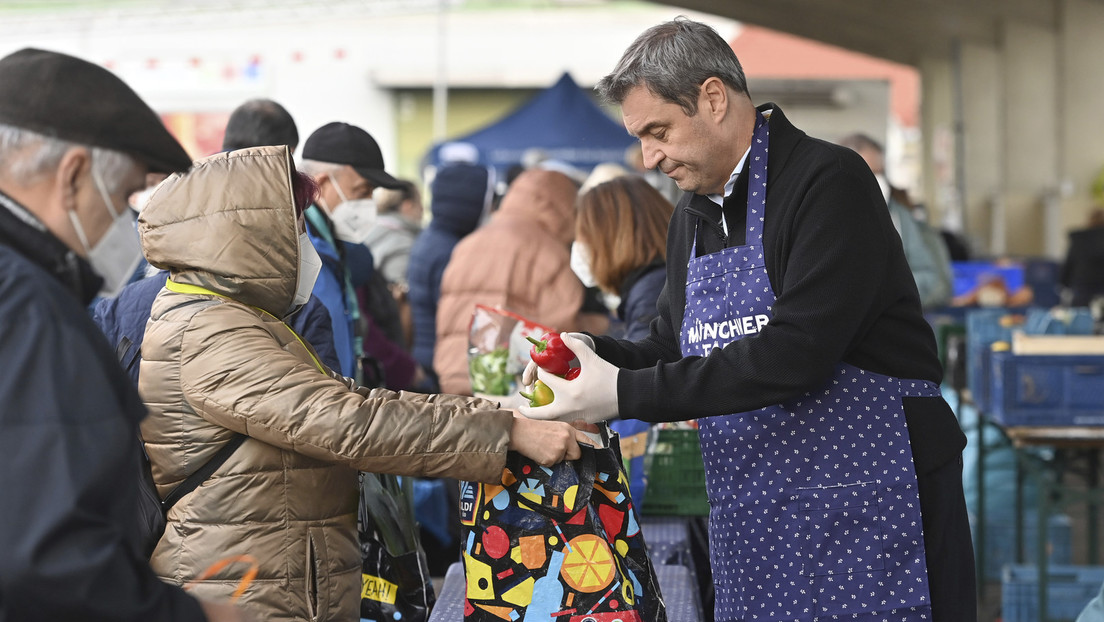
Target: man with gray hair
791, 329
75, 142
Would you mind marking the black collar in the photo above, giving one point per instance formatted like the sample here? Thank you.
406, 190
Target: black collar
783, 138
24, 233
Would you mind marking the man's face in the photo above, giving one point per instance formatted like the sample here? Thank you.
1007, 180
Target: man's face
412, 210
679, 145
88, 203
352, 187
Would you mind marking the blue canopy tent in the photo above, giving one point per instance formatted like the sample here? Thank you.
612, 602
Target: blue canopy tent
561, 120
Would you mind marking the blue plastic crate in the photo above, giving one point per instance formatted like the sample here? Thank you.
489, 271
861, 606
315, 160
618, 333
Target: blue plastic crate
1041, 275
968, 275
983, 328
1046, 390
1000, 541
1069, 589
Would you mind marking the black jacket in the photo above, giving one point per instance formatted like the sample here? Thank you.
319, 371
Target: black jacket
843, 292
68, 447
1083, 268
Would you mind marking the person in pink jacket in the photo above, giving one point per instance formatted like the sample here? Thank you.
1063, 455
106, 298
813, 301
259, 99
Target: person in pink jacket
520, 261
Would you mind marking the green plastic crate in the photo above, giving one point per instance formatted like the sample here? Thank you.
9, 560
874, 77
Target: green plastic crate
675, 475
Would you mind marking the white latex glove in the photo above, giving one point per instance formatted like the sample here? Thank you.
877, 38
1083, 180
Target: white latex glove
529, 376
591, 397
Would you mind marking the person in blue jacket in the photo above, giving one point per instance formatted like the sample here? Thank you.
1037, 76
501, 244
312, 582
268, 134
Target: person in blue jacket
461, 195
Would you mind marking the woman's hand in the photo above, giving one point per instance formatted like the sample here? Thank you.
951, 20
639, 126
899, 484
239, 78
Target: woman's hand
546, 442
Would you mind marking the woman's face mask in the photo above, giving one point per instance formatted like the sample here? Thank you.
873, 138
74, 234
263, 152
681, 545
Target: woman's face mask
310, 264
353, 220
580, 264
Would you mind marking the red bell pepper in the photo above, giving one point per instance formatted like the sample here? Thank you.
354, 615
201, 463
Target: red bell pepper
573, 373
542, 395
551, 354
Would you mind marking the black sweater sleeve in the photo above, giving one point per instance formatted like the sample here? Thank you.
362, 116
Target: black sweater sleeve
834, 250
843, 293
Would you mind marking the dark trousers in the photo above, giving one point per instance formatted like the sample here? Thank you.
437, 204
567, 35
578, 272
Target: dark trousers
949, 546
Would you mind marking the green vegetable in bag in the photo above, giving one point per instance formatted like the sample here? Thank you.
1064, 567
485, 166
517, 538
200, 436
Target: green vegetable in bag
489, 373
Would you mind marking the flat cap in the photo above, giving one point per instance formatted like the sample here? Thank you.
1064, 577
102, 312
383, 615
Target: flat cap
64, 97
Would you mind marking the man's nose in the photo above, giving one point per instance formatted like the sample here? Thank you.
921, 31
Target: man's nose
652, 155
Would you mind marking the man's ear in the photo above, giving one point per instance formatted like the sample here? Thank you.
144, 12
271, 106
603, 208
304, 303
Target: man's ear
70, 175
714, 98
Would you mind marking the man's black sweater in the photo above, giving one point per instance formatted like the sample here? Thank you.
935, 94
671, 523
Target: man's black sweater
843, 289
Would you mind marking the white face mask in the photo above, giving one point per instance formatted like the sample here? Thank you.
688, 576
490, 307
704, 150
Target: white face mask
310, 264
580, 264
117, 254
353, 220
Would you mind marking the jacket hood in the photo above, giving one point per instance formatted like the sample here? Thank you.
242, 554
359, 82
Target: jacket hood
547, 198
461, 193
229, 225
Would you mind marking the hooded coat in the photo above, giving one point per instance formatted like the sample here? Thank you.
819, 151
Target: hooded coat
222, 362
519, 261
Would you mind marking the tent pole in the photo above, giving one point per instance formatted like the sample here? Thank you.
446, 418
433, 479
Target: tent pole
440, 84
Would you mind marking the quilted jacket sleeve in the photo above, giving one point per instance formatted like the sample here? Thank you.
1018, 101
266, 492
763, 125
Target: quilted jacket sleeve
240, 372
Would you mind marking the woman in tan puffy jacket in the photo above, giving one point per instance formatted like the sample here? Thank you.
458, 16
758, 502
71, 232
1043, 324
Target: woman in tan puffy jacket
218, 359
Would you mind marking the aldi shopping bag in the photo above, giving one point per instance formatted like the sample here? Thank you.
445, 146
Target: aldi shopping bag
395, 581
561, 544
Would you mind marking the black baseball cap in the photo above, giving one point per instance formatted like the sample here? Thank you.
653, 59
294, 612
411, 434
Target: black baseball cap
71, 99
341, 143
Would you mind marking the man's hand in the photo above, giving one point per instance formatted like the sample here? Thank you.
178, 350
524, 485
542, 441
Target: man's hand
529, 376
546, 442
591, 397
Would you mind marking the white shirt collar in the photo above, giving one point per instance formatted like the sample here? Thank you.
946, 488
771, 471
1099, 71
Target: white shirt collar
719, 198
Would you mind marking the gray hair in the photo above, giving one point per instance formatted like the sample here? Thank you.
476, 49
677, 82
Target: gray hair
859, 141
673, 59
25, 156
314, 168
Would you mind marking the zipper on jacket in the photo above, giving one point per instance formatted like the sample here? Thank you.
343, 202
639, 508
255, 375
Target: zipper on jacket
312, 579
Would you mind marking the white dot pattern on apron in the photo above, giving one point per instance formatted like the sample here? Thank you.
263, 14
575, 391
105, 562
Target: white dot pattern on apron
814, 507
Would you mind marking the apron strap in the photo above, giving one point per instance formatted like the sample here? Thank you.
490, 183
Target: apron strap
756, 171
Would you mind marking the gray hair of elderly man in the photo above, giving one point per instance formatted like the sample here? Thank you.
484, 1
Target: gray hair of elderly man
672, 60
26, 156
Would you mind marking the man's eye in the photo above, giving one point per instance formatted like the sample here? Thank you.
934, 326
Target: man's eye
660, 135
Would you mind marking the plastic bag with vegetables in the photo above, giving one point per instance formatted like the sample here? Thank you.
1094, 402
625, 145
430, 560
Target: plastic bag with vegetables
498, 352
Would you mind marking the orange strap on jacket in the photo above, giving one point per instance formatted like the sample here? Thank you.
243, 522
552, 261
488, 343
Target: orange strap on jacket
246, 580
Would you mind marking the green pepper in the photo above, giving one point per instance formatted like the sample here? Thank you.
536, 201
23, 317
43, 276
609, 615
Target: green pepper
541, 396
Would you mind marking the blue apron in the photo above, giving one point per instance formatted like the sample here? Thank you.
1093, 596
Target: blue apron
814, 510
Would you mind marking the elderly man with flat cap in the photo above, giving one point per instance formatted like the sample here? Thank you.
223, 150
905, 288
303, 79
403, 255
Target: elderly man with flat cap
75, 142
